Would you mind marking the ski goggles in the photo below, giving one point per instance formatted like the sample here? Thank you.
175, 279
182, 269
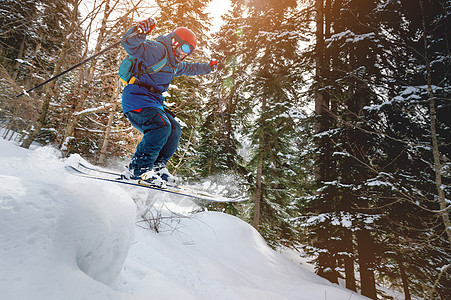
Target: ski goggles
187, 48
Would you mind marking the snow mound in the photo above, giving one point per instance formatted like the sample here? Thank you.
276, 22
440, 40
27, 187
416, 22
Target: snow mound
58, 233
68, 237
213, 255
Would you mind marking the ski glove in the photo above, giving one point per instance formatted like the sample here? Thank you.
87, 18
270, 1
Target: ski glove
213, 65
146, 26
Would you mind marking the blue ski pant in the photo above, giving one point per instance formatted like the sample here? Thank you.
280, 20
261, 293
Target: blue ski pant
161, 137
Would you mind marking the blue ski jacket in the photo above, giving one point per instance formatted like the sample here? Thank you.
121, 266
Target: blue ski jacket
151, 52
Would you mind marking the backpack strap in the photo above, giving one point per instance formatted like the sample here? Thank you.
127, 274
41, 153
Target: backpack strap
150, 70
157, 66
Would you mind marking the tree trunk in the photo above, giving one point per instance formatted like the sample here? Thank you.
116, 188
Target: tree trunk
365, 249
319, 62
69, 131
327, 268
259, 185
444, 209
40, 122
349, 261
327, 263
326, 260
404, 279
258, 195
17, 64
231, 107
106, 137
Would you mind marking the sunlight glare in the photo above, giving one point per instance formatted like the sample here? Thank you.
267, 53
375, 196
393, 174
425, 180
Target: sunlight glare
217, 8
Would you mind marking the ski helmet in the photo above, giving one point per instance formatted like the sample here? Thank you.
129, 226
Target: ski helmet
184, 35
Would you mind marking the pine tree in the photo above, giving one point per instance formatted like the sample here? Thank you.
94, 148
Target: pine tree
41, 33
224, 110
15, 18
67, 52
408, 166
414, 171
379, 133
270, 42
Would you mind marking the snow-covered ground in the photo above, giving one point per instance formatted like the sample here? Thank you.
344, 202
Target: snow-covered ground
67, 237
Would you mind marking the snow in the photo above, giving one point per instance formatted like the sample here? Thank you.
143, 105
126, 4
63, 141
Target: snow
93, 109
349, 37
55, 230
24, 62
68, 237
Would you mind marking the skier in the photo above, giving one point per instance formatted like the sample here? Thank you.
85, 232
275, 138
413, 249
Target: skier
143, 102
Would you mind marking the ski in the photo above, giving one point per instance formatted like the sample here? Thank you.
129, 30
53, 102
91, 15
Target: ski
175, 190
121, 176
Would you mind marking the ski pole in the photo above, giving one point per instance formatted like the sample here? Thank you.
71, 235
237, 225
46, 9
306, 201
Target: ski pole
79, 64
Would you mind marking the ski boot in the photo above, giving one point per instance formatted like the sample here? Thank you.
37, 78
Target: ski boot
128, 175
153, 178
161, 171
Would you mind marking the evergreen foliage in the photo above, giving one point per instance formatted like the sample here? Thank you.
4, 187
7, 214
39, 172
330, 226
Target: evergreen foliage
377, 165
32, 36
259, 42
226, 105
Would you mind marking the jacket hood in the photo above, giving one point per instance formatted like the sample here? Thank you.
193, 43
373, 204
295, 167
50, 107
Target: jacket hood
166, 40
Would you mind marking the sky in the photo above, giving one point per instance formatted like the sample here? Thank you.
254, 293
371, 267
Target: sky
217, 8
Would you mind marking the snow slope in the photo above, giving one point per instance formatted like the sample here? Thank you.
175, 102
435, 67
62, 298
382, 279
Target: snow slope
67, 237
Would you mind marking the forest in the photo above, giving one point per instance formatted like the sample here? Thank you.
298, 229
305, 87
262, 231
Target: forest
333, 116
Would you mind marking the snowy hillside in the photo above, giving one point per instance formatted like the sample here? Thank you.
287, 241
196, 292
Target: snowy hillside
66, 237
